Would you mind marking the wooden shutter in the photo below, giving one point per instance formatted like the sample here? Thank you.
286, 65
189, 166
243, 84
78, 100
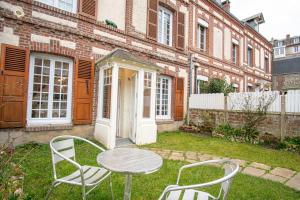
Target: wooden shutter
180, 30
83, 98
179, 99
13, 86
88, 8
152, 19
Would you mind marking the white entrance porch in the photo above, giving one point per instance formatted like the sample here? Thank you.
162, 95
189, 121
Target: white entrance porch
126, 99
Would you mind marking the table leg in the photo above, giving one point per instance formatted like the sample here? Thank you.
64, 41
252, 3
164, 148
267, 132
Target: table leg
127, 192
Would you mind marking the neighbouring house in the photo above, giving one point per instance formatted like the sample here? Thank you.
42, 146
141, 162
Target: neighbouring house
118, 69
286, 63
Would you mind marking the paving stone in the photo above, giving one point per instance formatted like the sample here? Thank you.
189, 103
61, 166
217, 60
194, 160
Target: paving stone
241, 163
260, 166
254, 171
176, 156
204, 157
294, 182
166, 151
275, 178
191, 161
164, 155
286, 173
191, 155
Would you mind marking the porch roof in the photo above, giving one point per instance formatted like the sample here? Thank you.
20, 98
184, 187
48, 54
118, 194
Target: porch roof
125, 56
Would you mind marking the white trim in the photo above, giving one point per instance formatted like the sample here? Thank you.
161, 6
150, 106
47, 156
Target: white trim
162, 38
202, 78
168, 116
249, 84
235, 85
234, 41
49, 120
250, 46
56, 5
202, 23
199, 37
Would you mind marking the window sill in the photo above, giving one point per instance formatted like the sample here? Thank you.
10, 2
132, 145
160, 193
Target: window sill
50, 127
164, 121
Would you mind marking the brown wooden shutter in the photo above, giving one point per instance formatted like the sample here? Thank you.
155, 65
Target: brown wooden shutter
83, 98
152, 19
180, 30
13, 86
88, 8
179, 99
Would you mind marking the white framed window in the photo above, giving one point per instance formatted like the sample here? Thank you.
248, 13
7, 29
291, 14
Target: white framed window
67, 5
234, 53
296, 49
147, 94
50, 89
202, 37
296, 40
107, 82
163, 97
165, 26
250, 56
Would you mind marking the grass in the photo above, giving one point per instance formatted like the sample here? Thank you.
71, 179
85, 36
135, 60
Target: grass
220, 147
38, 176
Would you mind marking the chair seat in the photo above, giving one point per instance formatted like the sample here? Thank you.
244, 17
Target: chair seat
189, 195
92, 176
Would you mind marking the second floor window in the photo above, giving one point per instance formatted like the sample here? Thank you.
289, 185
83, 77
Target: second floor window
165, 18
67, 5
235, 53
296, 40
202, 38
250, 57
267, 65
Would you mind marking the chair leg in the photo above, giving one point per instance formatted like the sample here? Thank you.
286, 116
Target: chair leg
50, 190
111, 189
83, 193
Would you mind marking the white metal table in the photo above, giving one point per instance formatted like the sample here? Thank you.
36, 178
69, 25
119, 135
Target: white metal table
130, 161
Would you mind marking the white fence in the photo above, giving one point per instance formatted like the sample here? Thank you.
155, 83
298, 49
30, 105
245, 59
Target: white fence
237, 101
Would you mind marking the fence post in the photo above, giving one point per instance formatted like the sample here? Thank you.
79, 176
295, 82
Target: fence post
225, 110
282, 118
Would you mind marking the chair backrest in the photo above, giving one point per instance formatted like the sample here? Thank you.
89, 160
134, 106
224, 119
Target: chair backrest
64, 147
229, 168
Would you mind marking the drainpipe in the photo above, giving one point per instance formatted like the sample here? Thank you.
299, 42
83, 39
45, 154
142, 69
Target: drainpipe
191, 56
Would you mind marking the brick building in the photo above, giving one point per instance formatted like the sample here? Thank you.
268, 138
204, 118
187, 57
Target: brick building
64, 70
286, 63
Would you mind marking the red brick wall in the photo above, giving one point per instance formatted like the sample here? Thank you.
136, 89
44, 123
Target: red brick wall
270, 125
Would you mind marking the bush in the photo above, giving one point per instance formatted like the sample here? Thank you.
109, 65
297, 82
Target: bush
236, 134
269, 140
111, 23
290, 144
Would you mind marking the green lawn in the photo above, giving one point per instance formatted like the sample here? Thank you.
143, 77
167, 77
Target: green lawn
220, 147
38, 170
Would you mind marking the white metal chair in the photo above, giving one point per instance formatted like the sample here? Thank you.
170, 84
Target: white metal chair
63, 149
190, 192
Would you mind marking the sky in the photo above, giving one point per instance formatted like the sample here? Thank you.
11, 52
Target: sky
282, 17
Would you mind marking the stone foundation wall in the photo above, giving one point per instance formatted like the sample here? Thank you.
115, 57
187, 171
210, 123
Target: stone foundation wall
288, 127
25, 136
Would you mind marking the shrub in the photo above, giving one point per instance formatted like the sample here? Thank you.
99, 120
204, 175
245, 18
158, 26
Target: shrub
269, 140
290, 144
111, 23
216, 85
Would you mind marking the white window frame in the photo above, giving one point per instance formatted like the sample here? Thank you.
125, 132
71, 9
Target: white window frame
296, 49
55, 3
160, 116
200, 78
235, 49
50, 120
199, 37
296, 40
162, 37
250, 62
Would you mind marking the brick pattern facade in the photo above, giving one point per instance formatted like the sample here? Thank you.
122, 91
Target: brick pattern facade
42, 28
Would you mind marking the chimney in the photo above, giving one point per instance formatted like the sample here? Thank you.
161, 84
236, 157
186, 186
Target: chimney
226, 5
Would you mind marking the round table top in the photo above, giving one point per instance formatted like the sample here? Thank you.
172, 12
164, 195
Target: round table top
130, 160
